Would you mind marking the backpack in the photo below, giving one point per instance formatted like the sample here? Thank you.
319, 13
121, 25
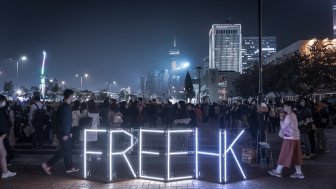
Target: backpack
40, 116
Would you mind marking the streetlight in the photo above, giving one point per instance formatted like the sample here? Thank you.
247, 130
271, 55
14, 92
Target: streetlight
22, 59
110, 84
81, 79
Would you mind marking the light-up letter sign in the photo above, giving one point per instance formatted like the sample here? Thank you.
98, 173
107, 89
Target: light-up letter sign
169, 153
123, 153
141, 151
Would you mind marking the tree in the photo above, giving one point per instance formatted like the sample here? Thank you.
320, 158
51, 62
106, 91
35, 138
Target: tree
102, 95
305, 73
246, 84
188, 87
8, 88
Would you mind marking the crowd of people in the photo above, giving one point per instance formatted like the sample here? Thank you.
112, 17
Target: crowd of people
38, 122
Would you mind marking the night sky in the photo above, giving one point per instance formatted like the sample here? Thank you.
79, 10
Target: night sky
122, 40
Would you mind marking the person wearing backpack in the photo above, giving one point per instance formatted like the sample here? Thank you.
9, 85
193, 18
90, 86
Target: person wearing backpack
38, 119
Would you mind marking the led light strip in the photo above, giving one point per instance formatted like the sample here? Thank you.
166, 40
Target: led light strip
85, 152
220, 155
225, 157
175, 153
196, 153
120, 153
147, 152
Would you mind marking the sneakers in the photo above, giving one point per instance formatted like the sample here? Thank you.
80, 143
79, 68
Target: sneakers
72, 170
297, 175
8, 174
46, 169
274, 173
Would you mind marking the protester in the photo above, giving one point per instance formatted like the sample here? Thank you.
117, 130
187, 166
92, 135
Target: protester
76, 115
38, 119
5, 126
115, 117
64, 124
321, 121
305, 122
290, 153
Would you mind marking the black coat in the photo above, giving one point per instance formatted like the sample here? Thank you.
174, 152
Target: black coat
5, 123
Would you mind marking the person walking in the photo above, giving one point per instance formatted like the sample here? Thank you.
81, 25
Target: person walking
63, 130
5, 125
290, 153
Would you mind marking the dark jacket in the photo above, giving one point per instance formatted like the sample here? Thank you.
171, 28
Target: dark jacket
63, 120
5, 123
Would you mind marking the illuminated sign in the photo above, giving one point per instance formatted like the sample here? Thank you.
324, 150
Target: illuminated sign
167, 151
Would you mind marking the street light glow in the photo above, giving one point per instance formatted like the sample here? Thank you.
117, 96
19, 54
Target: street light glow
185, 65
23, 58
63, 82
86, 75
51, 80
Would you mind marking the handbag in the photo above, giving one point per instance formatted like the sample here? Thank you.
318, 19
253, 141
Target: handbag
85, 123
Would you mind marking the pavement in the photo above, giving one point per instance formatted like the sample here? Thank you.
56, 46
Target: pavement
320, 173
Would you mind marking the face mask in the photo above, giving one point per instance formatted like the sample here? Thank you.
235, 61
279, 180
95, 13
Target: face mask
302, 103
286, 109
3, 104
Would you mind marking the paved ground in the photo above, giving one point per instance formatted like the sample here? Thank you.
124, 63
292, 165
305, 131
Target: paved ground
320, 173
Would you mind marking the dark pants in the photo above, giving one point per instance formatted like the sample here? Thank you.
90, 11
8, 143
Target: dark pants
64, 151
272, 125
312, 141
38, 135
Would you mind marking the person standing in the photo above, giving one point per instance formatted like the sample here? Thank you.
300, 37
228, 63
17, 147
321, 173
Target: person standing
5, 125
38, 119
290, 153
63, 130
76, 115
305, 121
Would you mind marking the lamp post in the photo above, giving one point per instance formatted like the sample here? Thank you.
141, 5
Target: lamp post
260, 66
63, 84
110, 84
199, 84
81, 79
22, 59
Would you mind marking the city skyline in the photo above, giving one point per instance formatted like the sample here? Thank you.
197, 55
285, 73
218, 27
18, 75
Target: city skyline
109, 38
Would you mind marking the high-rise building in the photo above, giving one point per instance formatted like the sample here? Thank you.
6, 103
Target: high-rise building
174, 54
250, 49
163, 82
225, 47
205, 65
143, 86
152, 83
334, 17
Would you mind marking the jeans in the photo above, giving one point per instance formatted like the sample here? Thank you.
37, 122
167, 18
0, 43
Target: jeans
306, 141
321, 139
64, 151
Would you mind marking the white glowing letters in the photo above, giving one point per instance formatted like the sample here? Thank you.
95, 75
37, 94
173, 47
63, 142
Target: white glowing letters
224, 150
